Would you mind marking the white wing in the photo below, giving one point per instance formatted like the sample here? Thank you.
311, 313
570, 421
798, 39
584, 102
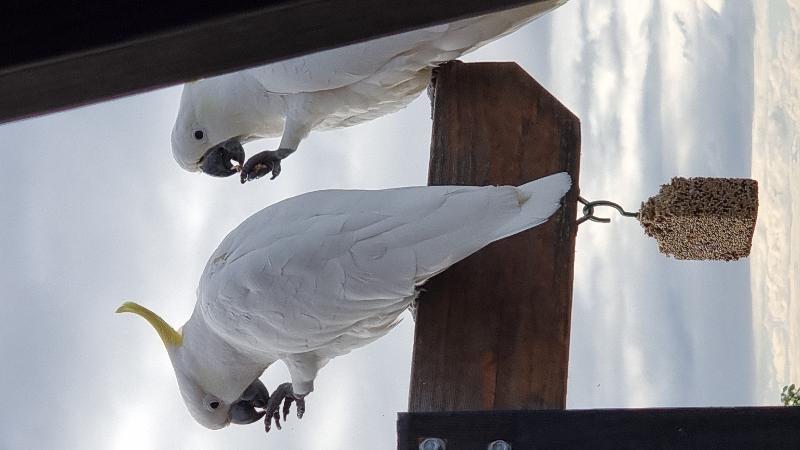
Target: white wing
318, 275
394, 59
341, 66
333, 269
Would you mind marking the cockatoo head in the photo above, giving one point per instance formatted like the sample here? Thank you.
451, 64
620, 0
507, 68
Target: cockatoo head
204, 136
212, 401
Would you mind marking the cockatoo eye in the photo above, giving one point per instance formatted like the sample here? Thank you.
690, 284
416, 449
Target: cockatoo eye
211, 403
198, 133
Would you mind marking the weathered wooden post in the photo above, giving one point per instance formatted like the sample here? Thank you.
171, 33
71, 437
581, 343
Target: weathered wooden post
493, 331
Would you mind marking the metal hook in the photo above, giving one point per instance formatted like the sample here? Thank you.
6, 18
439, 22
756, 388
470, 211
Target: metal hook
588, 211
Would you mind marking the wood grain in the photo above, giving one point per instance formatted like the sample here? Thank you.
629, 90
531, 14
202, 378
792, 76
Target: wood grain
492, 332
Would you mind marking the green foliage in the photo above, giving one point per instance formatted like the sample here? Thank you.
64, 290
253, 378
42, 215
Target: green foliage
790, 396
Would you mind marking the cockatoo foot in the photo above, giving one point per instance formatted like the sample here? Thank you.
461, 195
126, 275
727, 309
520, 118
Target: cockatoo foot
260, 164
285, 394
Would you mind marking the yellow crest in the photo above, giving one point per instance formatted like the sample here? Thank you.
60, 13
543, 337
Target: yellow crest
169, 336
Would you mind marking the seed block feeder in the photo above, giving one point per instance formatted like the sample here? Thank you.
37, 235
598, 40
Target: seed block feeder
696, 218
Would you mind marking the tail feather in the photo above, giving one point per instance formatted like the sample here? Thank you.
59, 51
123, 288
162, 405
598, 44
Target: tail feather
538, 199
468, 35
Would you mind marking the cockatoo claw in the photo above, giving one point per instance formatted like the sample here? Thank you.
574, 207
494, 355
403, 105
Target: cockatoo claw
301, 407
260, 164
285, 394
287, 405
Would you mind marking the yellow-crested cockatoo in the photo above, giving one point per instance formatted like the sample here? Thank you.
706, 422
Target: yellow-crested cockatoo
318, 275
330, 89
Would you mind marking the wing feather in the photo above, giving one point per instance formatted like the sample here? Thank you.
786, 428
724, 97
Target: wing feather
316, 268
393, 59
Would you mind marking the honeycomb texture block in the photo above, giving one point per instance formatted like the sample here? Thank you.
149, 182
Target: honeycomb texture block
703, 218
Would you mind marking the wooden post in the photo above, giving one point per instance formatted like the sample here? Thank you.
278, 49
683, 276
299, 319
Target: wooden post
492, 332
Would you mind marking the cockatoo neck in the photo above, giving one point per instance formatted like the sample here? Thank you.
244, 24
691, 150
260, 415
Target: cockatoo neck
247, 112
219, 368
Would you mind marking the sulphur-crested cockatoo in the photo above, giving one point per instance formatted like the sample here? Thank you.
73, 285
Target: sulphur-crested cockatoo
318, 275
330, 89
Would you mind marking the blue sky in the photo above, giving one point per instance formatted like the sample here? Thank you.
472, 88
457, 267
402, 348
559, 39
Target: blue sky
96, 212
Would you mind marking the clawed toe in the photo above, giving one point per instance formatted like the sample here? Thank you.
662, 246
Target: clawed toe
285, 394
260, 164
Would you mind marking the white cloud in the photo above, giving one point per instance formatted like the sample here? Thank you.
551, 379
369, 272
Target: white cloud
776, 165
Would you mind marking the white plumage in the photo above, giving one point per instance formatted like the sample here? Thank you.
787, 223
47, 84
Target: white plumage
315, 276
330, 89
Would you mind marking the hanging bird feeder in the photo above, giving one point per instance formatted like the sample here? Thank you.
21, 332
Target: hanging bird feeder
696, 218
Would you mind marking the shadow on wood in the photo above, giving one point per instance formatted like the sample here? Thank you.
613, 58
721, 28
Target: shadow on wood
492, 332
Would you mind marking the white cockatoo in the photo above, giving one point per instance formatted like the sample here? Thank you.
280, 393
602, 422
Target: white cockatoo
318, 275
330, 89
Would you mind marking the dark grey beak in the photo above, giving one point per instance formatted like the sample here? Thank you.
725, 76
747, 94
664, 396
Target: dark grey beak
217, 160
244, 410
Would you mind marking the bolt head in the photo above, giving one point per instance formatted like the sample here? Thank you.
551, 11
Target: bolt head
499, 445
432, 444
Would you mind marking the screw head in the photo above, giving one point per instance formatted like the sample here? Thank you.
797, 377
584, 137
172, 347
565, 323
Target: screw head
499, 445
432, 444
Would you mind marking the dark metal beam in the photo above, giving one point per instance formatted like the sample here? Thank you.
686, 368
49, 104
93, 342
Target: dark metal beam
59, 54
613, 429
